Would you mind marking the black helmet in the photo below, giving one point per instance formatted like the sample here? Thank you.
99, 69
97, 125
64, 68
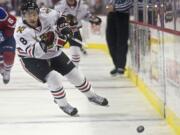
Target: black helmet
29, 5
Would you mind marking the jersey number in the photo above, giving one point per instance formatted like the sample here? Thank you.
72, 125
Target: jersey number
24, 41
11, 21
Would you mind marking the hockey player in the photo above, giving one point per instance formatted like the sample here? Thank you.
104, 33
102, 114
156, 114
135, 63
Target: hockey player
75, 11
38, 44
7, 44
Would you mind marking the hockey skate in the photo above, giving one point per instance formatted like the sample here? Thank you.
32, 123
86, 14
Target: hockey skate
68, 109
98, 100
6, 77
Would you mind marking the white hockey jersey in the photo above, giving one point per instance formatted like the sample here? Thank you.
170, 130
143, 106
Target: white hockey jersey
80, 11
27, 38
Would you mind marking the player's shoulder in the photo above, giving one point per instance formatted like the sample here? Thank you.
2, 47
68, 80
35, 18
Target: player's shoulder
3, 14
48, 13
21, 28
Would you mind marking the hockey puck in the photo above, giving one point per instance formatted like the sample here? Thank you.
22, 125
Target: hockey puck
140, 129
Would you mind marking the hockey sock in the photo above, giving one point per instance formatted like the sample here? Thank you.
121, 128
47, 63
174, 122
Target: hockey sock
8, 60
79, 80
86, 88
75, 54
56, 88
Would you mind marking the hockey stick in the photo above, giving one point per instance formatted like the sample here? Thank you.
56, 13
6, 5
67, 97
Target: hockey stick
78, 41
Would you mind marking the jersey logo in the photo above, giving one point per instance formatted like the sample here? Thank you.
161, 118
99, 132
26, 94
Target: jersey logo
20, 29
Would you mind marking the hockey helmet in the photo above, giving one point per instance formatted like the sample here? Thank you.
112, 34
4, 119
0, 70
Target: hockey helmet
29, 5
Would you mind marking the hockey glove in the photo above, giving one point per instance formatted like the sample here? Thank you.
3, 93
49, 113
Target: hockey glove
61, 23
47, 40
63, 29
95, 20
72, 20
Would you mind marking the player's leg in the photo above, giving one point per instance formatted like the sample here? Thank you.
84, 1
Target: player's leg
63, 65
75, 49
1, 64
111, 37
8, 55
57, 90
78, 79
1, 53
41, 70
122, 26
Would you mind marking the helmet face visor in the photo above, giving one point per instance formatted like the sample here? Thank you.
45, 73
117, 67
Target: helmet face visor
31, 17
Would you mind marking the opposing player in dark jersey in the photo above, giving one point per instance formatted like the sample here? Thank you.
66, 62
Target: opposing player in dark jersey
7, 44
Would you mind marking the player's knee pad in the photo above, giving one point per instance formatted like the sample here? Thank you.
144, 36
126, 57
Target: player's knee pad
75, 77
75, 54
53, 81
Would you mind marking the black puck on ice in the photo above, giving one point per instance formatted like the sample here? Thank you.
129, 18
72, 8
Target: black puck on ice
140, 129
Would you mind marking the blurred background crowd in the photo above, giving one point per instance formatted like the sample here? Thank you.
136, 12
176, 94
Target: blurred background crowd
96, 6
147, 11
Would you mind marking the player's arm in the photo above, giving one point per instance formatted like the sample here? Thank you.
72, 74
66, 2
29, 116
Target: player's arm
61, 27
11, 21
8, 19
63, 30
8, 22
30, 46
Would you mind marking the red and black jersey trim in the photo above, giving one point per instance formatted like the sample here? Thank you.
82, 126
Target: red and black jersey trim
85, 87
59, 94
